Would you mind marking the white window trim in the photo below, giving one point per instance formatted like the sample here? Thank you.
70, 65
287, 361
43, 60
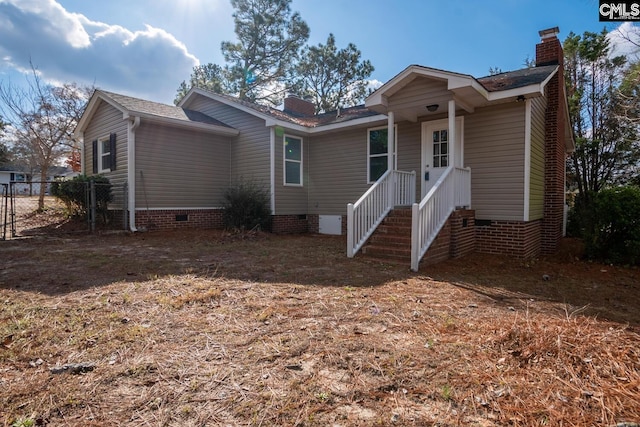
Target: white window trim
101, 154
395, 150
285, 160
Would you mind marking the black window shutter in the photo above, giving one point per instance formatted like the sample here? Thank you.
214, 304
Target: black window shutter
112, 151
95, 156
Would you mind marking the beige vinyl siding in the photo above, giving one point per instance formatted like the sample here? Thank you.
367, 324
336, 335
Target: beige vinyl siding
291, 200
250, 157
179, 168
337, 170
409, 150
415, 94
536, 184
494, 150
106, 120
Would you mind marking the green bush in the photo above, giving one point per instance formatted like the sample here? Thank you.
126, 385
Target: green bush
615, 234
74, 193
246, 207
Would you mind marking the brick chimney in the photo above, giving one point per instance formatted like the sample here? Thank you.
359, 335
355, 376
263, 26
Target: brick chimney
549, 52
298, 107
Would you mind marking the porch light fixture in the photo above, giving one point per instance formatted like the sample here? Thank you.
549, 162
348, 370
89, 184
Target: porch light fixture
432, 107
520, 98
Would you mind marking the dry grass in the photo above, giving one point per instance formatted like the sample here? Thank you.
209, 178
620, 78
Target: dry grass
205, 331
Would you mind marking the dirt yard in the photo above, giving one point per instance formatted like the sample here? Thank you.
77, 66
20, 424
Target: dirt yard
207, 328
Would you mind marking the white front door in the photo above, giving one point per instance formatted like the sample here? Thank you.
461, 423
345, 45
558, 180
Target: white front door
436, 151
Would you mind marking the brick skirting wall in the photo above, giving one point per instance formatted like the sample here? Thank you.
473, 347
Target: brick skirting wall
456, 239
313, 224
174, 219
517, 238
289, 224
440, 248
463, 233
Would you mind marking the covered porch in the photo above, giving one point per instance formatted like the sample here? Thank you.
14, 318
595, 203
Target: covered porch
426, 172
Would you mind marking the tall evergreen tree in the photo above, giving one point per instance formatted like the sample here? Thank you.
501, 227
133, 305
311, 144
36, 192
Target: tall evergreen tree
209, 76
604, 139
333, 77
262, 61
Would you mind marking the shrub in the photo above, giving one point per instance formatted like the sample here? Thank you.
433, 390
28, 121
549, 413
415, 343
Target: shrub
74, 193
615, 234
246, 207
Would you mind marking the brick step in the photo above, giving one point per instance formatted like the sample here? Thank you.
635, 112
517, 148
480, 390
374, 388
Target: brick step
391, 239
385, 252
394, 229
400, 212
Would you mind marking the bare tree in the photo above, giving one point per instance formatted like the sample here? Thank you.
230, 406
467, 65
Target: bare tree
43, 118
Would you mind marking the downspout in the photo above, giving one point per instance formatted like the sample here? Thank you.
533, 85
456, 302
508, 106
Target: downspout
527, 161
131, 170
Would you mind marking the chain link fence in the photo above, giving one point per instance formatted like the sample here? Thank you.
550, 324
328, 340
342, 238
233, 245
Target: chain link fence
82, 207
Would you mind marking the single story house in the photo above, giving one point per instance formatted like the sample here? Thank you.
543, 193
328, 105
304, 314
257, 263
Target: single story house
478, 163
26, 182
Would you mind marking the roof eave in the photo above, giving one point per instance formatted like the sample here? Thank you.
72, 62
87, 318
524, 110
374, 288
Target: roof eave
207, 127
350, 123
90, 110
197, 91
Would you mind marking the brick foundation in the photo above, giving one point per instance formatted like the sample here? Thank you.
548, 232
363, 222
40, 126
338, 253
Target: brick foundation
290, 224
456, 239
463, 233
440, 249
516, 238
176, 219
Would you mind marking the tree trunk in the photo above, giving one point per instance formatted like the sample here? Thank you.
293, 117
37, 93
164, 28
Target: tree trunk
43, 188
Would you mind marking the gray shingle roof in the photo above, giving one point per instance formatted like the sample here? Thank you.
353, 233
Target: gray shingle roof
516, 79
138, 105
323, 119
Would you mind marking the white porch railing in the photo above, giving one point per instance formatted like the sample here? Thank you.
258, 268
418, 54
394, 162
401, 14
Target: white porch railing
394, 188
451, 190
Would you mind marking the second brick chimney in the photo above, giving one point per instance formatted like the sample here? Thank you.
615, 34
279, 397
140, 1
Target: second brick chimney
298, 106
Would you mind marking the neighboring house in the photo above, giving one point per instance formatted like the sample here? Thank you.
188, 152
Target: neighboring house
23, 181
12, 174
484, 158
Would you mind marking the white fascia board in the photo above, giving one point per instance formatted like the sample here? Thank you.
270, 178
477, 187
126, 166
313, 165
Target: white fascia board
90, 110
350, 123
535, 90
409, 74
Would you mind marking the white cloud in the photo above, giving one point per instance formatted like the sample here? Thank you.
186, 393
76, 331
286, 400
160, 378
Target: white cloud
66, 46
620, 40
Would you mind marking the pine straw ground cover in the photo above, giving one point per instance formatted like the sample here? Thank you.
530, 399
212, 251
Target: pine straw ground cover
203, 329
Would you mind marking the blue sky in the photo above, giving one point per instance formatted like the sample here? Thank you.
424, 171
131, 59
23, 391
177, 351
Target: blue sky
145, 48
